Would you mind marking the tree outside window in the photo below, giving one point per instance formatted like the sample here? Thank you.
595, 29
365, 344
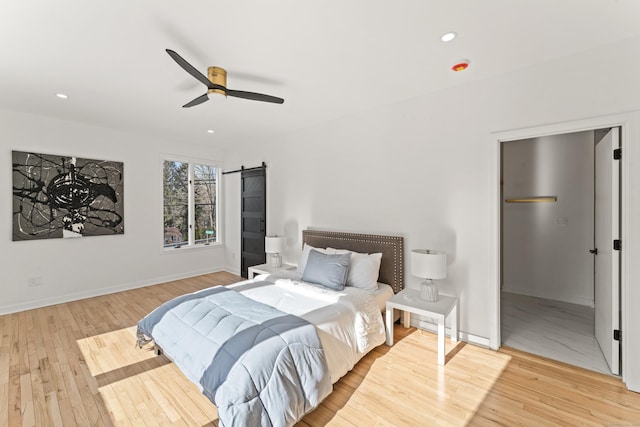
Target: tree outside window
190, 204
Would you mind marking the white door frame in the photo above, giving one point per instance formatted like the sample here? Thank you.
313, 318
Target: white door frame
630, 127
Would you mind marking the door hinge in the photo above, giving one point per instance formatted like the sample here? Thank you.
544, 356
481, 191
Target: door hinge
617, 154
617, 335
617, 245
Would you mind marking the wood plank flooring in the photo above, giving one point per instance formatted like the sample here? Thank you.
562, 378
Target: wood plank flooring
76, 364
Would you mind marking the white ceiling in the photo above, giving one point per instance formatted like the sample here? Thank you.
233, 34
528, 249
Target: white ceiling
327, 59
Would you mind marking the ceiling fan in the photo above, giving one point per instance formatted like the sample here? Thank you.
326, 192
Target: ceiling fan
217, 84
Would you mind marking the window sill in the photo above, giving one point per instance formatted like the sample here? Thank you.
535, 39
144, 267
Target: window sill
189, 248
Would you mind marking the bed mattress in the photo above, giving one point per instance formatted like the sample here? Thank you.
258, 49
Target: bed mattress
349, 322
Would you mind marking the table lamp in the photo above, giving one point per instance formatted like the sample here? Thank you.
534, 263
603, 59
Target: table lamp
273, 246
429, 265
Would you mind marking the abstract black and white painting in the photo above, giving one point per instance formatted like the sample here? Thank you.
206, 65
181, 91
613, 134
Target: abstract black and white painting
65, 196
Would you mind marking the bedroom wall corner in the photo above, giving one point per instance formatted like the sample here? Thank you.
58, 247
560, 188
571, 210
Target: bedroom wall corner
90, 266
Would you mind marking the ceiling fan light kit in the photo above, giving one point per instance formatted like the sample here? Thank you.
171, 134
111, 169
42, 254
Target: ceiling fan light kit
216, 83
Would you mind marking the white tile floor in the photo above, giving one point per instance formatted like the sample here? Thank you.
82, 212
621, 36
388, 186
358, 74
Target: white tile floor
553, 329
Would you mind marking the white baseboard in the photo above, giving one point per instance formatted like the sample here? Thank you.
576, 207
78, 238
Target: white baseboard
60, 299
462, 336
232, 271
564, 298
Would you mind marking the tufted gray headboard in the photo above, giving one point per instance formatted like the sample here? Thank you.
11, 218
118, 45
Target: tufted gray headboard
391, 247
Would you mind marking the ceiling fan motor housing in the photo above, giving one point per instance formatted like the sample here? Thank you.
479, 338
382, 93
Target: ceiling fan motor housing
217, 76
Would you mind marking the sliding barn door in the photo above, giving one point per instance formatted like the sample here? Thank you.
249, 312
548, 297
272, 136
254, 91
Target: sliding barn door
254, 218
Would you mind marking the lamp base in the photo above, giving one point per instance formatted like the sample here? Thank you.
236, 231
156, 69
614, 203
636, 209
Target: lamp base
428, 291
275, 260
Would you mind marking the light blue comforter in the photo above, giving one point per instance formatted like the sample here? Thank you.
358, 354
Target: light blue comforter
258, 365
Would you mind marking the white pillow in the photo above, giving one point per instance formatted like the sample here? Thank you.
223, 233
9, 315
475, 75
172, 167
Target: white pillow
364, 269
305, 255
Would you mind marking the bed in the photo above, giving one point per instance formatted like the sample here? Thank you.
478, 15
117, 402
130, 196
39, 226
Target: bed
267, 351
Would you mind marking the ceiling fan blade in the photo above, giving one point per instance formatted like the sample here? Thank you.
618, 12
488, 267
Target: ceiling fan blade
254, 96
191, 69
204, 80
198, 100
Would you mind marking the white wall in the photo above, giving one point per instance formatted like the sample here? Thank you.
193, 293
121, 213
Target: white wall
77, 268
426, 168
545, 245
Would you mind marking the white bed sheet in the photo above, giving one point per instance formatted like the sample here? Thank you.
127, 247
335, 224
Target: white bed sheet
349, 322
382, 295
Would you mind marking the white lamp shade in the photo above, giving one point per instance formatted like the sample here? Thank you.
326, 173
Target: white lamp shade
273, 245
428, 264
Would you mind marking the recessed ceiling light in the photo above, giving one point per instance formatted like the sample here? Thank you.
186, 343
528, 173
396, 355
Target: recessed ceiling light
447, 37
210, 131
61, 95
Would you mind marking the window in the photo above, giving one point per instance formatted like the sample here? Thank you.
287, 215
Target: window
190, 194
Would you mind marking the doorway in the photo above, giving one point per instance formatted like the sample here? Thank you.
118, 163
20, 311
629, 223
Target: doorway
551, 302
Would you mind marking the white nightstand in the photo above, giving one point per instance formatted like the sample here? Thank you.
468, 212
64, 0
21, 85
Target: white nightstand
409, 301
267, 269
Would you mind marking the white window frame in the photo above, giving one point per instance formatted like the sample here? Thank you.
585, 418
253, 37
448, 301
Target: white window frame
191, 242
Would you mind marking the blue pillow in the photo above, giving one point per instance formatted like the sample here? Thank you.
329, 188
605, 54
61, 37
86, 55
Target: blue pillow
329, 270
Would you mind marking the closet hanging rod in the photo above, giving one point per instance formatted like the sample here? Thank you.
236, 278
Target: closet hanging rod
538, 199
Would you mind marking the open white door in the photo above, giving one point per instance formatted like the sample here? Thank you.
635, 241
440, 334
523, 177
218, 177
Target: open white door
607, 266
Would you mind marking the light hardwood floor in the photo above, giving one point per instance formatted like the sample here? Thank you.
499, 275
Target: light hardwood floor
76, 364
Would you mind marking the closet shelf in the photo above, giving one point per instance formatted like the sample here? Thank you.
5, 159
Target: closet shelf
538, 199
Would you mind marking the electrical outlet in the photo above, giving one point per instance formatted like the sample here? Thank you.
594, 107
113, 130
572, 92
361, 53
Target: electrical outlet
35, 281
562, 221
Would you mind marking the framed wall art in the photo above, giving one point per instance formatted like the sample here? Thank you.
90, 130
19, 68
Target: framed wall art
65, 196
